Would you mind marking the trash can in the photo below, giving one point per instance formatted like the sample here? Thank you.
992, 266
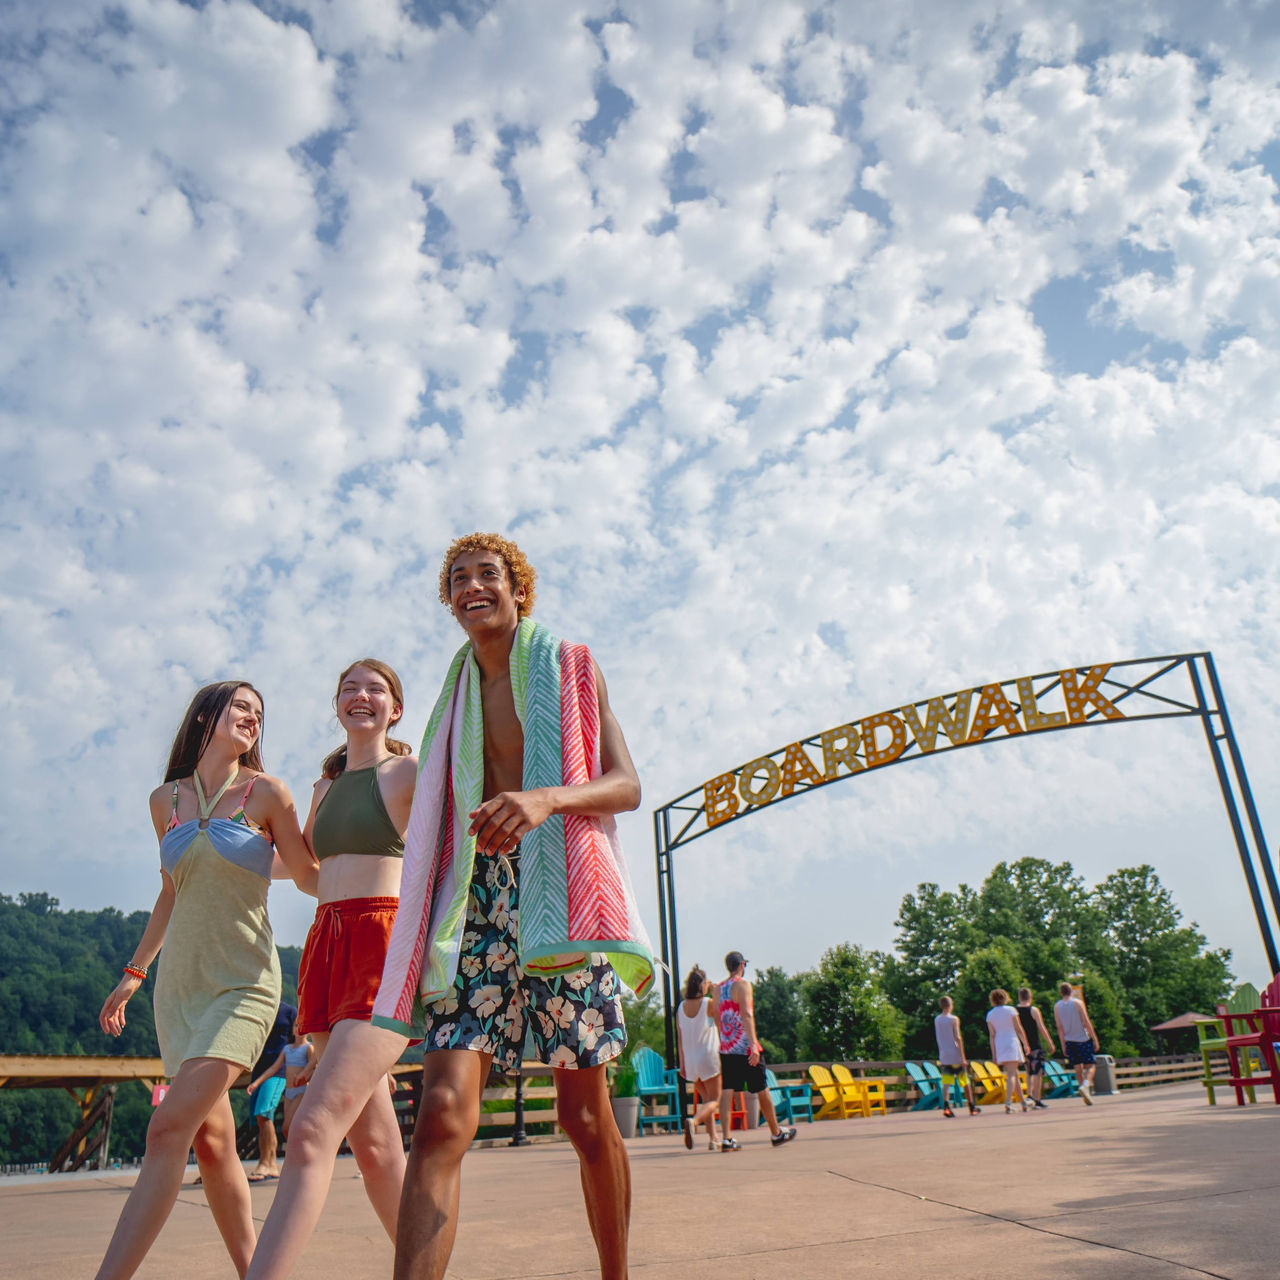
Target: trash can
1104, 1077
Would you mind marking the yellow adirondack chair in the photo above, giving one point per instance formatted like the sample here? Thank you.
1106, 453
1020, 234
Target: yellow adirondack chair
988, 1084
864, 1096
997, 1076
833, 1103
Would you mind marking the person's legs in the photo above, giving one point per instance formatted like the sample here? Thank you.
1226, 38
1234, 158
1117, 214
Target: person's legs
452, 1083
1012, 1085
266, 1165
582, 1106
705, 1115
354, 1066
290, 1110
379, 1151
199, 1084
225, 1186
765, 1099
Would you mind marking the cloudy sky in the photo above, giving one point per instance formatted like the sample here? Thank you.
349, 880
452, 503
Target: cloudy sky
822, 357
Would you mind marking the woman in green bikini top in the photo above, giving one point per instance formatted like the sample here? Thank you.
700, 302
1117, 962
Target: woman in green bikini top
356, 827
220, 821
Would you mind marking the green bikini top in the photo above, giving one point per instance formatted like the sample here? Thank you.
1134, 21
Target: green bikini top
352, 818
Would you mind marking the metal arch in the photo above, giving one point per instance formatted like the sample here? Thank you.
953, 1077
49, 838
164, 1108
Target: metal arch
1153, 688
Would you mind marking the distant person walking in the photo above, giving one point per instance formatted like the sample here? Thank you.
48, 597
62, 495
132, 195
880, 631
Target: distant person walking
699, 1045
1008, 1046
266, 1090
741, 1056
1037, 1037
219, 982
1078, 1037
952, 1062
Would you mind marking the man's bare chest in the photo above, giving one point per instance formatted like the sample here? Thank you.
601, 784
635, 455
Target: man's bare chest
503, 739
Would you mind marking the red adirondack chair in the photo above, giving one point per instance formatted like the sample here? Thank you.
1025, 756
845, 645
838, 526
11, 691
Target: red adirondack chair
1263, 1032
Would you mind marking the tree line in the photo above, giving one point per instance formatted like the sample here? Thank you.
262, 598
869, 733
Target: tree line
56, 969
1031, 923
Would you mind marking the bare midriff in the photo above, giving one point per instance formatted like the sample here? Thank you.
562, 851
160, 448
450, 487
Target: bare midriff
359, 875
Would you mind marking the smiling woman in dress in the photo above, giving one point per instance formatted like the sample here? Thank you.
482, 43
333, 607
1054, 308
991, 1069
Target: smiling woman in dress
218, 817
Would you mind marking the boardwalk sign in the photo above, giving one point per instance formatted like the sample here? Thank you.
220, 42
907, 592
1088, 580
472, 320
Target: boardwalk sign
1025, 704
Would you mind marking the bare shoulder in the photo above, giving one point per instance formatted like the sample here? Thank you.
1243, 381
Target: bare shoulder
398, 776
161, 805
403, 767
272, 789
322, 785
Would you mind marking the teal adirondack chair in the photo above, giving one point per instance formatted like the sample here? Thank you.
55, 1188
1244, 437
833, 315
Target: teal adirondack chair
1061, 1080
790, 1100
654, 1083
930, 1085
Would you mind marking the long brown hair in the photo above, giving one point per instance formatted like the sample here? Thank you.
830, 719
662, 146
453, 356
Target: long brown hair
336, 761
196, 731
695, 984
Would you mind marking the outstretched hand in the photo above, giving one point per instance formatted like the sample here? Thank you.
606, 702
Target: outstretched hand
111, 1018
502, 822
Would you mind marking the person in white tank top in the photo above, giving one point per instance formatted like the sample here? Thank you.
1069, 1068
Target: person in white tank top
699, 1045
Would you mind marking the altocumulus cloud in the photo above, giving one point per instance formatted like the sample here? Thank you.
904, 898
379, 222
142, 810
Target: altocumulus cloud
823, 356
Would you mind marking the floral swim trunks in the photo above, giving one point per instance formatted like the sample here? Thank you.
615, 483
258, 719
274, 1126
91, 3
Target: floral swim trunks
573, 1019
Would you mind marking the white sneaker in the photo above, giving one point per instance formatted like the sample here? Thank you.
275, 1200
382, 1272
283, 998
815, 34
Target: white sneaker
1086, 1089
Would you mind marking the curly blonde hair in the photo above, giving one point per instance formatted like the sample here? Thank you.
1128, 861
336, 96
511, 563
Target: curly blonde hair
522, 573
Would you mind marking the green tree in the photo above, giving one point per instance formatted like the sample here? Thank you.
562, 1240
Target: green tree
935, 934
985, 969
779, 1006
847, 1015
1043, 913
645, 1024
1160, 967
56, 969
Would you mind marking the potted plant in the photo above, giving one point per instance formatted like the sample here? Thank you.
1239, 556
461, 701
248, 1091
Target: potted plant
624, 1099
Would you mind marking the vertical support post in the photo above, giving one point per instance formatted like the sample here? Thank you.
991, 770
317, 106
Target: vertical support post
675, 932
1246, 792
673, 979
1207, 714
662, 857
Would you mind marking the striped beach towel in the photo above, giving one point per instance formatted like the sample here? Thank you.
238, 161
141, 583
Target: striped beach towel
575, 893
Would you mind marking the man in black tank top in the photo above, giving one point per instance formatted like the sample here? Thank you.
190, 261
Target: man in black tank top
1038, 1037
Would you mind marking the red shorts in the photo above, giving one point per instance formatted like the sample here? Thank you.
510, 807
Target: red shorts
342, 962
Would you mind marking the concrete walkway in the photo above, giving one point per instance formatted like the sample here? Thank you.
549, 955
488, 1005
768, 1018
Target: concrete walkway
1153, 1184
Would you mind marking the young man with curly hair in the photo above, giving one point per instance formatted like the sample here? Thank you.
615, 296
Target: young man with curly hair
498, 817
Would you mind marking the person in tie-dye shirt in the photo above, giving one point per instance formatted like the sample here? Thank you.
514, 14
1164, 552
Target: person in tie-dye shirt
741, 1056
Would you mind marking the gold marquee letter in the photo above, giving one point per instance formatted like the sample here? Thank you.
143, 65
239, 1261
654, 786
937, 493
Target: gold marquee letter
719, 799
796, 765
897, 744
746, 776
953, 723
1079, 697
845, 754
1035, 718
993, 711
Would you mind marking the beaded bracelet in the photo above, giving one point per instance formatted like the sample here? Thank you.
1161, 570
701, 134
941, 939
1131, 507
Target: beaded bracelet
136, 971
